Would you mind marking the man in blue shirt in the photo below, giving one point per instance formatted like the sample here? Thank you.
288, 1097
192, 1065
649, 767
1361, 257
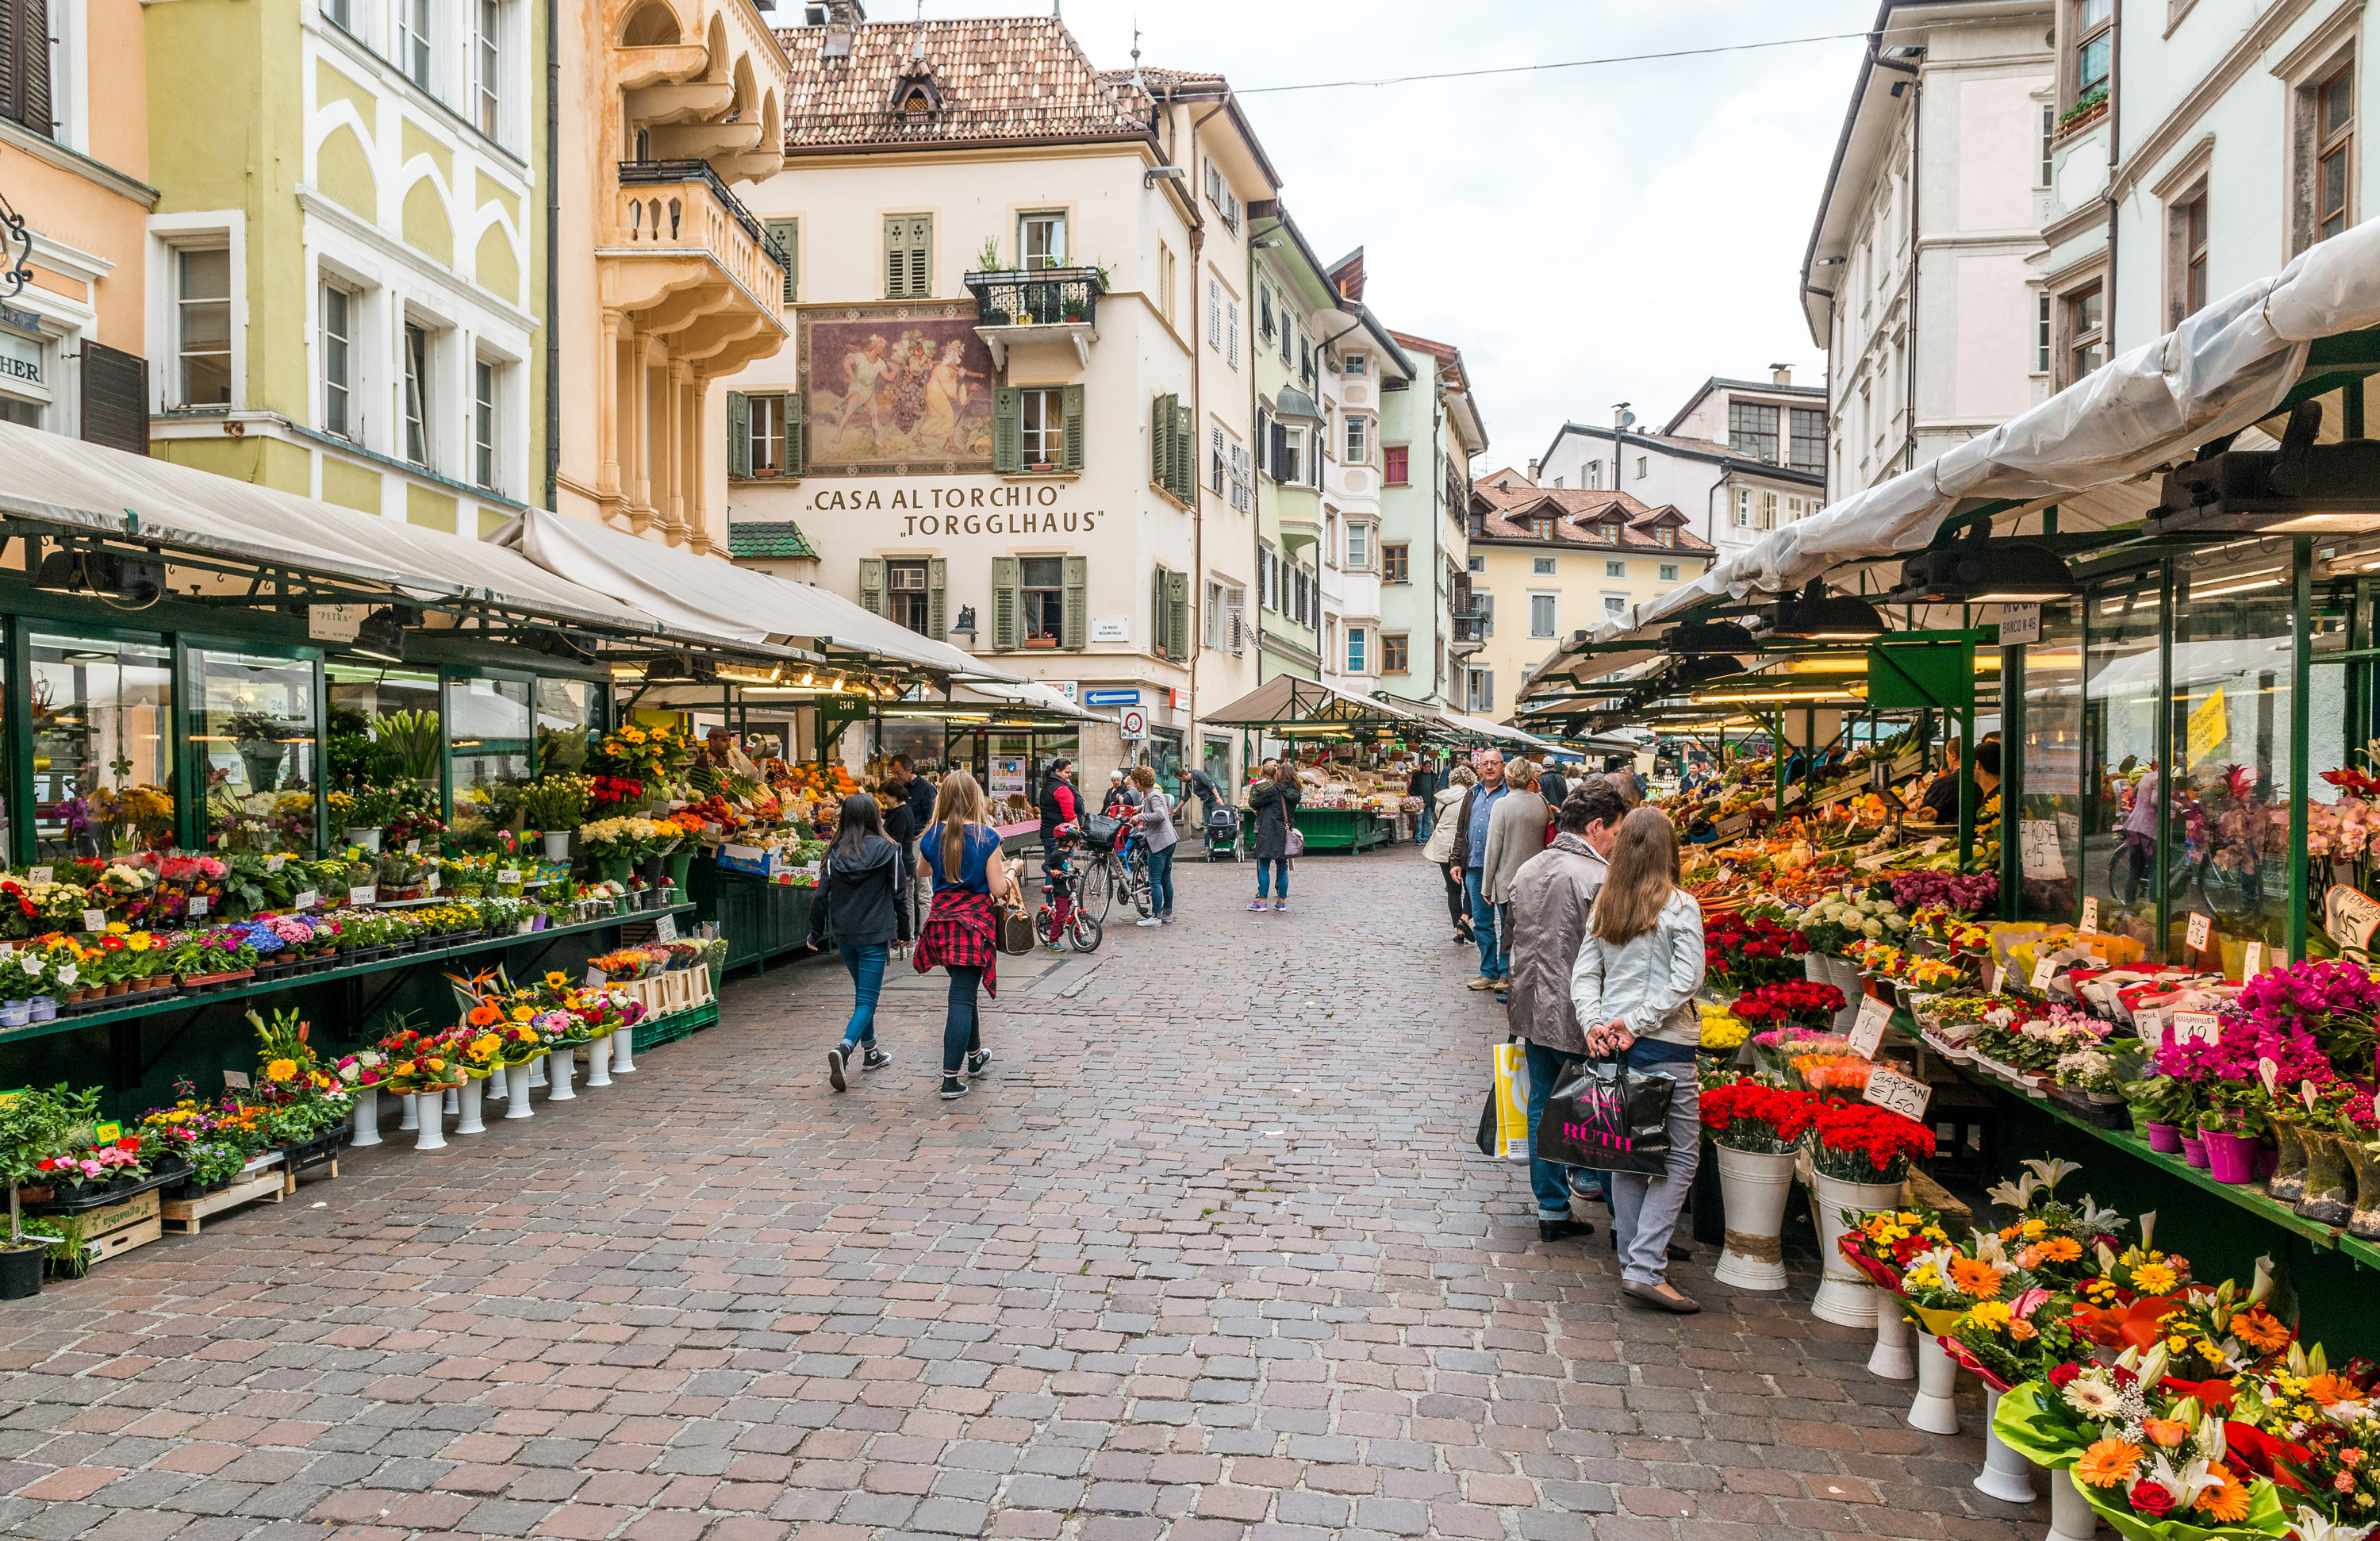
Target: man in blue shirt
1471, 856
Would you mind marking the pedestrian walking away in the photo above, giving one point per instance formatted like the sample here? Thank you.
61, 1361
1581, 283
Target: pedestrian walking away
1516, 831
1470, 857
1634, 994
1156, 831
906, 824
962, 861
862, 886
1272, 803
1440, 848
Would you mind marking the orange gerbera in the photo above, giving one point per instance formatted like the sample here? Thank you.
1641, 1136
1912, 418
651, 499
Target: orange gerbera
2109, 1463
484, 1015
2061, 1249
2167, 1432
2223, 1504
2261, 1331
1972, 1276
2327, 1391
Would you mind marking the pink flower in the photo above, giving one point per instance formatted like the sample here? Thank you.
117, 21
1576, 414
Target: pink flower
2025, 1304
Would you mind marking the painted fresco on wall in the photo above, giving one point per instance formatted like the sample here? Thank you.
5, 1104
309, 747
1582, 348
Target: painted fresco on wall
896, 388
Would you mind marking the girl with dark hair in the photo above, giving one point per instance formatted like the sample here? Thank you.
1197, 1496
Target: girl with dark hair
861, 885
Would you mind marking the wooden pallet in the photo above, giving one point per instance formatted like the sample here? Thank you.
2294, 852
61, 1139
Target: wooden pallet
117, 1228
268, 1185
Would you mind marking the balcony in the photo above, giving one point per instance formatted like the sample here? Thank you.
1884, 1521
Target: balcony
1470, 631
1041, 305
685, 260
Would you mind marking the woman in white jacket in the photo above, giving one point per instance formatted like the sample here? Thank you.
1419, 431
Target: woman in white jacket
1440, 848
1633, 992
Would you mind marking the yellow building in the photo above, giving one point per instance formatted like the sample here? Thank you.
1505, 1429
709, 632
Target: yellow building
1549, 561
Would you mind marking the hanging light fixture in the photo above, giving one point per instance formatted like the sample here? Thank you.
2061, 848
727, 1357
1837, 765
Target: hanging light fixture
1701, 669
1815, 615
2302, 488
1718, 637
1975, 573
381, 635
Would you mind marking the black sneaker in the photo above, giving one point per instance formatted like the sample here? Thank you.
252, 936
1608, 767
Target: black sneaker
876, 1058
1563, 1230
834, 1069
978, 1062
952, 1088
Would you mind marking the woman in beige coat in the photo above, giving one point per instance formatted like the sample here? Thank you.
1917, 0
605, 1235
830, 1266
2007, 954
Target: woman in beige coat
1516, 831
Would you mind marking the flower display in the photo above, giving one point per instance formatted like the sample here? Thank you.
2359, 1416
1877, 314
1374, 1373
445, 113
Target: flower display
1789, 1000
1860, 1143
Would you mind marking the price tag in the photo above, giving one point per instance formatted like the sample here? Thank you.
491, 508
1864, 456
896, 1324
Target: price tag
2202, 931
198, 903
1732, 824
364, 893
413, 847
2197, 1027
1795, 793
429, 882
235, 1080
1991, 979
38, 875
1867, 1033
2091, 914
2349, 914
306, 900
2041, 854
665, 928
2043, 970
107, 1134
509, 875
595, 980
2252, 962
2148, 1025
274, 863
1897, 1092
94, 920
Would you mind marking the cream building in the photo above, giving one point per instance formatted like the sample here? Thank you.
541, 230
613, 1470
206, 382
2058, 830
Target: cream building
1016, 416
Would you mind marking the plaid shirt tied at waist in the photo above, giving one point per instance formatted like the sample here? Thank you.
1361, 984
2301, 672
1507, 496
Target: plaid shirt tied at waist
961, 931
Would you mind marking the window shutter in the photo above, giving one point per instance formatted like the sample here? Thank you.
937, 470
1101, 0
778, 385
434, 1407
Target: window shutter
1073, 625
1214, 312
739, 426
1235, 610
1186, 463
938, 579
1266, 461
1161, 441
896, 259
786, 232
1003, 603
1159, 643
921, 241
871, 585
1279, 448
797, 444
1007, 431
1231, 332
25, 64
1177, 612
1073, 460
115, 398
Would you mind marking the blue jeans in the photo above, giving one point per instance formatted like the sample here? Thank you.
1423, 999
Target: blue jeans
1422, 824
1483, 925
1160, 882
962, 1027
867, 965
1266, 867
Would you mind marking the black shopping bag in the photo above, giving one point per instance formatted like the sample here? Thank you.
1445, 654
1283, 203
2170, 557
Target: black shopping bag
1606, 1117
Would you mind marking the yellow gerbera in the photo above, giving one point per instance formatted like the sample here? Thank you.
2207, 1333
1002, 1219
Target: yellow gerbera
280, 1069
2153, 1279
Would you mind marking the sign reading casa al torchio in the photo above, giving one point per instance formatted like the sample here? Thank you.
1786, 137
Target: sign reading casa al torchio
994, 508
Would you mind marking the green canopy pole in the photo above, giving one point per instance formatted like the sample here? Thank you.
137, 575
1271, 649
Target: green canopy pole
2011, 776
2301, 725
2167, 772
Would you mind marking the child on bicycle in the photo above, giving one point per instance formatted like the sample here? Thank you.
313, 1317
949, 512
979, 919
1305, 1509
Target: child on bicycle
1057, 882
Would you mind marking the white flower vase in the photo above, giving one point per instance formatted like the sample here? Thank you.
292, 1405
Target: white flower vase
429, 1122
598, 1062
537, 1071
2071, 1518
1844, 974
557, 844
453, 1100
557, 1076
1754, 1186
517, 1105
2006, 1475
623, 1051
1896, 1343
367, 1116
412, 1119
1934, 1411
1845, 1297
470, 1108
498, 1085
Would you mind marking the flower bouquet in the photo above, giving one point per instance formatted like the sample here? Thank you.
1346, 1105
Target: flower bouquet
1742, 951
1791, 1002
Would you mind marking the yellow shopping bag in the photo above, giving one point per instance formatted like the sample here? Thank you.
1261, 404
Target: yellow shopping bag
1504, 1118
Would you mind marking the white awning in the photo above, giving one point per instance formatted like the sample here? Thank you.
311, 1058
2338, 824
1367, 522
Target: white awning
705, 593
63, 481
1030, 694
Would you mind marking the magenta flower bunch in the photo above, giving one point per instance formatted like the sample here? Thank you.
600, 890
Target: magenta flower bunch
1968, 893
2239, 1048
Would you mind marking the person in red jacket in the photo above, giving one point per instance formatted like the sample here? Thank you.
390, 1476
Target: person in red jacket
1059, 805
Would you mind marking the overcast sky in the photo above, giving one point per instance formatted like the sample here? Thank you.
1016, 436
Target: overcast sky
1620, 232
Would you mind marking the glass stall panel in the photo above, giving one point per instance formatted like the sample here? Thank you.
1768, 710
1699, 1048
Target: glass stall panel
567, 710
103, 753
255, 735
2051, 803
489, 727
2118, 762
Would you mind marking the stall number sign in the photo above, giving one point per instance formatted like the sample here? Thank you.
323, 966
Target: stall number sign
2202, 931
1899, 1093
1867, 1033
665, 928
2041, 855
2090, 915
335, 623
2019, 622
2197, 1027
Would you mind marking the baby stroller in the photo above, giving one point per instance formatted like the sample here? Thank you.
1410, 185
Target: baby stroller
1222, 832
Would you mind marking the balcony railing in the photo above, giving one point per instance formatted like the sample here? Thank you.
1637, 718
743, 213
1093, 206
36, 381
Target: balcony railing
1470, 628
1039, 297
656, 218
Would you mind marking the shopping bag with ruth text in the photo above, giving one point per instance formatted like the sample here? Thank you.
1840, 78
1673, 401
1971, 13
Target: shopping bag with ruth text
1504, 1119
1606, 1117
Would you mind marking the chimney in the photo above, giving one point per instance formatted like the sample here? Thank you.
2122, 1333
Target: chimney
1780, 374
1533, 473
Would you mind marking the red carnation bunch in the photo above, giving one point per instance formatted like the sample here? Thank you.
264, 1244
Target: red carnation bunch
607, 790
1744, 950
1861, 1142
1747, 1115
1788, 1000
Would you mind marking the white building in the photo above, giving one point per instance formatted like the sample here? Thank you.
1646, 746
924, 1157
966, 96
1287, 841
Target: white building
1918, 280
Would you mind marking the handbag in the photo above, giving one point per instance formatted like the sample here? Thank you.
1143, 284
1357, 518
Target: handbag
1016, 928
1605, 1117
1295, 841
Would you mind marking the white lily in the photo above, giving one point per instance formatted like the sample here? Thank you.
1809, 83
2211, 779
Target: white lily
2310, 1525
2184, 1485
2015, 1195
2147, 1223
2263, 1286
2095, 1219
2052, 1172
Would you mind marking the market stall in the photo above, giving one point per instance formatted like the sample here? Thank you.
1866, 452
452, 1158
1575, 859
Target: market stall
1352, 755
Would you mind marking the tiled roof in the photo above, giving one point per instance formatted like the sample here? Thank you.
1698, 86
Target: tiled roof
999, 79
1158, 75
753, 538
1505, 514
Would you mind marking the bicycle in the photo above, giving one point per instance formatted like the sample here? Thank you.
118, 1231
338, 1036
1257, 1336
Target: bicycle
1132, 884
1063, 919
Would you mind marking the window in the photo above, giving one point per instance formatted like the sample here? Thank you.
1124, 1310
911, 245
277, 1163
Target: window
1767, 510
908, 257
338, 362
1395, 463
1166, 280
1479, 690
1668, 572
1541, 566
1041, 417
1752, 429
2334, 154
487, 65
1396, 563
1541, 528
417, 393
26, 68
1483, 606
1744, 508
1395, 655
2189, 231
1642, 465
1042, 591
485, 378
1615, 605
2041, 337
1288, 453
413, 39
1478, 564
1231, 332
1330, 536
1264, 311
1594, 474
1359, 443
1541, 614
1615, 569
1221, 485
202, 326
1214, 312
1356, 638
337, 11
1359, 545
905, 594
1041, 241
2049, 137
766, 437
1792, 509
1808, 449
2094, 44
2086, 337
1354, 363
1666, 536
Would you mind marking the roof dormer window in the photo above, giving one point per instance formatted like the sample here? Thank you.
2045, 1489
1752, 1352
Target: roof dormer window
1541, 528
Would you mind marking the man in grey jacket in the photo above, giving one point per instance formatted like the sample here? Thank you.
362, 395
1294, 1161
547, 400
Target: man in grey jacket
1551, 895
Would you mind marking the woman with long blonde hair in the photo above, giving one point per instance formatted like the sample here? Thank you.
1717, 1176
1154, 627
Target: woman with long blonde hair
1633, 992
960, 856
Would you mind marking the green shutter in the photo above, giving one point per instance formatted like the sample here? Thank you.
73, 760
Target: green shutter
871, 584
1177, 612
797, 412
787, 234
1003, 605
896, 259
938, 578
1161, 441
1186, 455
1007, 431
1072, 459
1074, 629
1159, 643
740, 434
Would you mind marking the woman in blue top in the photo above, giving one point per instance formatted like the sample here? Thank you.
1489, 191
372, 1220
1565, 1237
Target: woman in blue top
962, 861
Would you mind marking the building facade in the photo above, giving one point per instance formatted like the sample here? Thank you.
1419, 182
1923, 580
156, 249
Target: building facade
1547, 562
1732, 494
74, 164
1017, 415
345, 259
1921, 279
1430, 436
1292, 288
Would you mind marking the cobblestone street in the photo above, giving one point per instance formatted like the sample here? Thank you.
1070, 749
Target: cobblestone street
1208, 1252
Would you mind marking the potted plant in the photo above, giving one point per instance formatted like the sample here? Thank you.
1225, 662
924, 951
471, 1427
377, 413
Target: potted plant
555, 805
1757, 1128
28, 1137
1859, 1154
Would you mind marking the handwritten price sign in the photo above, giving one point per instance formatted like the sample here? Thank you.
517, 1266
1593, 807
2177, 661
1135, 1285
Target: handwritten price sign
1899, 1093
1867, 1033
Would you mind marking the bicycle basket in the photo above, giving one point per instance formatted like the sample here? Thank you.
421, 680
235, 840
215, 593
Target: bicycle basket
1100, 830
